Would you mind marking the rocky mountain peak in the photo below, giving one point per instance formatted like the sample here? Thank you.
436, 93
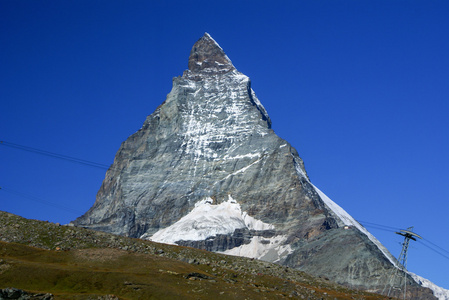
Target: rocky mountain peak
207, 171
208, 57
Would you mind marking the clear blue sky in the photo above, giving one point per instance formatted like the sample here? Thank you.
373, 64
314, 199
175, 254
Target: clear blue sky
360, 88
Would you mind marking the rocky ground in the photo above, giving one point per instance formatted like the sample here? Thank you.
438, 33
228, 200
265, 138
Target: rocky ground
75, 263
12, 293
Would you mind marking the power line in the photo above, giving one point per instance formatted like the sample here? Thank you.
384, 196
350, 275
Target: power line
375, 227
379, 226
436, 246
55, 155
443, 252
434, 250
36, 199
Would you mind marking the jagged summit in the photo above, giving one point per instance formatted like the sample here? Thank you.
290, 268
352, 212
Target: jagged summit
208, 57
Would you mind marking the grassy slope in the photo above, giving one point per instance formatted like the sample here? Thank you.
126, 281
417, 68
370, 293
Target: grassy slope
76, 263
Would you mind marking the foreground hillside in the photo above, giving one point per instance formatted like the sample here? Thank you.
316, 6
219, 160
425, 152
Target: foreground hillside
77, 263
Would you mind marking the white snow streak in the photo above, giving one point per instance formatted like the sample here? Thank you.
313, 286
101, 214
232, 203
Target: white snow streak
242, 169
298, 168
249, 155
348, 220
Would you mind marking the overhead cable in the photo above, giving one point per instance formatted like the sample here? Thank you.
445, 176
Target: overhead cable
36, 199
432, 246
55, 155
434, 250
379, 226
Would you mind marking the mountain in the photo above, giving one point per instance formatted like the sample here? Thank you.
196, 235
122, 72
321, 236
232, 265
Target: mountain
207, 171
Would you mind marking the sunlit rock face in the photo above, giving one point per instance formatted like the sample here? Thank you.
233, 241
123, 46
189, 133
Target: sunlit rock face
206, 170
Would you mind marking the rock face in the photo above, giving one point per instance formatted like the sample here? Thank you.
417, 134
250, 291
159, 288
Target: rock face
206, 170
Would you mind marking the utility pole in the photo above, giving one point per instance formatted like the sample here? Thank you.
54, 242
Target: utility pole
408, 235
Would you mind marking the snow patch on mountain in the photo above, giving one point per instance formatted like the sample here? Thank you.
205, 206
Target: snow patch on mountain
269, 249
208, 220
439, 292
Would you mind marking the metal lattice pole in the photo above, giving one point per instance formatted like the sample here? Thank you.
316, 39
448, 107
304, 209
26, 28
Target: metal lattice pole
408, 235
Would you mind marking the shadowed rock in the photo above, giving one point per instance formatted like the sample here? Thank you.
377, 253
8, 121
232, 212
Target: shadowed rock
208, 57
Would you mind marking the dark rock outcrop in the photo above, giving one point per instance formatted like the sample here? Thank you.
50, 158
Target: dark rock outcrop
13, 293
208, 58
212, 139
